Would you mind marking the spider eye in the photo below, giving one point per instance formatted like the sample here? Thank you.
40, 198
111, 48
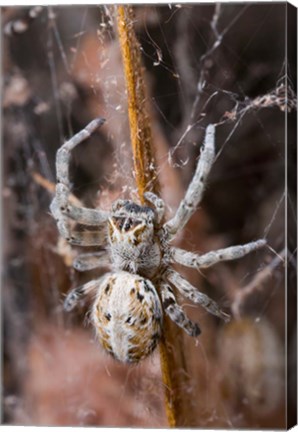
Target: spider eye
118, 222
128, 224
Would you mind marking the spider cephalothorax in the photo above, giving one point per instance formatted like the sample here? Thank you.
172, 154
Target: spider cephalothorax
133, 244
130, 300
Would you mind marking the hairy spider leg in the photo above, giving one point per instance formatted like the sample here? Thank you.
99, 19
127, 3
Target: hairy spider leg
158, 203
194, 193
74, 296
175, 312
189, 291
190, 259
60, 206
92, 260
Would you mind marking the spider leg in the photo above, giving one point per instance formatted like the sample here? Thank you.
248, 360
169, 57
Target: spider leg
195, 190
189, 291
190, 259
63, 154
81, 215
75, 295
60, 206
158, 204
80, 238
89, 261
86, 238
118, 204
175, 312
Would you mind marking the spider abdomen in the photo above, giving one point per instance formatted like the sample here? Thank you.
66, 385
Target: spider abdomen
127, 315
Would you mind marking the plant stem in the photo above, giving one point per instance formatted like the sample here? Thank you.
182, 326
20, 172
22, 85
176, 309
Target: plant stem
172, 358
140, 130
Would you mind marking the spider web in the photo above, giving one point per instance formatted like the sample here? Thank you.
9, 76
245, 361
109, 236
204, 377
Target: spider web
204, 63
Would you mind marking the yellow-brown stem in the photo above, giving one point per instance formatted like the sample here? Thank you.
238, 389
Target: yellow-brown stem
140, 130
146, 179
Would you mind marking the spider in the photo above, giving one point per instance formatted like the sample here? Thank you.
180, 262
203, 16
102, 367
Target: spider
128, 310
